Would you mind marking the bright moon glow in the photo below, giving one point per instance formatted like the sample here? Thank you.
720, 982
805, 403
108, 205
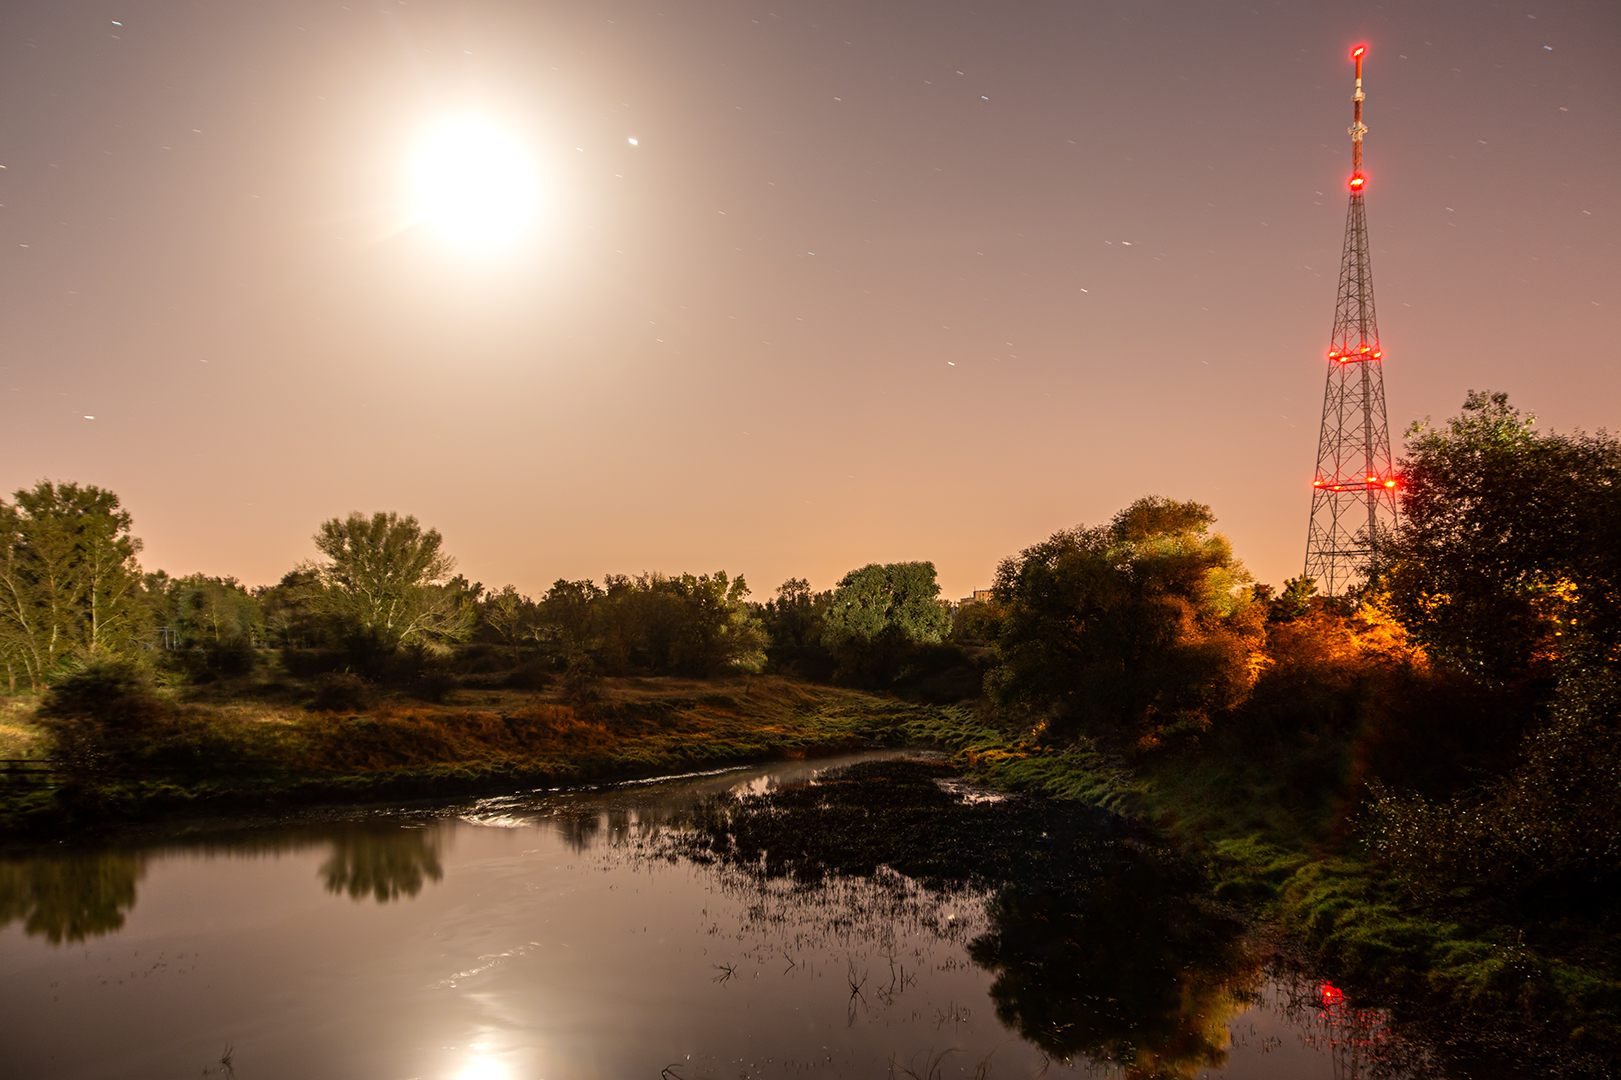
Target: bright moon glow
483, 1068
475, 183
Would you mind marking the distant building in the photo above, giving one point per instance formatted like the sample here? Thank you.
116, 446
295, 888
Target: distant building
981, 596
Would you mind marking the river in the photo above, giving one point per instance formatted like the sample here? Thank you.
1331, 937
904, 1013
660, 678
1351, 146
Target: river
556, 935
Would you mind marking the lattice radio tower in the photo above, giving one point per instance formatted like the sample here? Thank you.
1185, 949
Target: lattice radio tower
1354, 492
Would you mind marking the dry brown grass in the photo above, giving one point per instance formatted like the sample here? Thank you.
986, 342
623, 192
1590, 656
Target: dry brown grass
638, 725
19, 736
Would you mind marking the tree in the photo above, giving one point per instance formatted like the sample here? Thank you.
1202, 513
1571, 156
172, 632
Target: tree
692, 624
698, 625
512, 616
793, 619
568, 618
1508, 555
716, 630
292, 608
69, 581
902, 598
385, 578
206, 612
1293, 603
793, 622
1131, 631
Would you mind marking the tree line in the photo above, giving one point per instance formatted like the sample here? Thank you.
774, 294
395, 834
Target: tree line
383, 597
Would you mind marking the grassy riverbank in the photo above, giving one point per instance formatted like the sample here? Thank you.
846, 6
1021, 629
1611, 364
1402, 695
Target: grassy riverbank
224, 752
1497, 982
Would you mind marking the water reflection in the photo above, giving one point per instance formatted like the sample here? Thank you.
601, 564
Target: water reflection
844, 924
383, 860
67, 899
1127, 969
1102, 944
1364, 1044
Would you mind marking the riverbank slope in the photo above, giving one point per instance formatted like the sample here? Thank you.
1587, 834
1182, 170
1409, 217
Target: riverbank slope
1500, 983
234, 754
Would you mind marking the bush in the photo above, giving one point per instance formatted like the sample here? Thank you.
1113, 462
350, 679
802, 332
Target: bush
530, 676
98, 709
342, 692
481, 659
582, 683
434, 686
116, 695
1552, 826
232, 658
309, 663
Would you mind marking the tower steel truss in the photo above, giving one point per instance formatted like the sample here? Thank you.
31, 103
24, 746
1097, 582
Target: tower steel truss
1354, 490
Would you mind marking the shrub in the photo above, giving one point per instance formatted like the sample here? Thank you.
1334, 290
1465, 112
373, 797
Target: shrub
1553, 824
116, 695
530, 676
582, 683
434, 686
342, 692
100, 708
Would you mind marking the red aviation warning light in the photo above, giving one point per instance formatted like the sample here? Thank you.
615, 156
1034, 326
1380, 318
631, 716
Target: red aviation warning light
1357, 181
1356, 53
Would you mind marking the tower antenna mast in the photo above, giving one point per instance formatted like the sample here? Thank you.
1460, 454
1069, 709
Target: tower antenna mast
1354, 490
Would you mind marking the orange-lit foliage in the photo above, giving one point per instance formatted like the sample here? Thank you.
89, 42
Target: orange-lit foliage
1315, 664
1346, 698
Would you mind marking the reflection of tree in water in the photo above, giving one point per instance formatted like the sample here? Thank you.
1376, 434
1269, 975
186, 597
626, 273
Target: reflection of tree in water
74, 897
579, 831
1099, 944
1123, 966
381, 859
583, 828
66, 899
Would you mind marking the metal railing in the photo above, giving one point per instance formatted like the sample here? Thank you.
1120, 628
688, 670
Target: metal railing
26, 772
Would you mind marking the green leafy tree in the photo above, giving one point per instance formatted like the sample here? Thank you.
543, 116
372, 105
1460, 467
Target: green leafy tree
1509, 551
1293, 603
384, 578
69, 581
896, 598
717, 630
694, 624
1131, 632
793, 623
793, 618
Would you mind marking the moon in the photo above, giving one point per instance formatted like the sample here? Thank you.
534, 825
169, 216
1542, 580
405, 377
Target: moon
475, 183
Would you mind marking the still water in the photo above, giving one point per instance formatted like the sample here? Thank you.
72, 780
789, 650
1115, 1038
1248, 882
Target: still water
555, 936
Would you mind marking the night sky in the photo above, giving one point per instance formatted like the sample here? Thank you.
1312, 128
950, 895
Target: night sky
877, 281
